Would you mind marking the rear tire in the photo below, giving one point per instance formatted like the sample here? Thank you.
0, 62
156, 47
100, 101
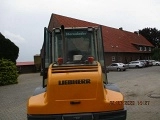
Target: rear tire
137, 66
118, 69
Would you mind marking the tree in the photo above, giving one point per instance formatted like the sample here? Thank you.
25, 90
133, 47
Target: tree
8, 74
156, 53
8, 50
152, 35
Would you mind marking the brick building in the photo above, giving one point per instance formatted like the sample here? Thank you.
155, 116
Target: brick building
119, 45
26, 67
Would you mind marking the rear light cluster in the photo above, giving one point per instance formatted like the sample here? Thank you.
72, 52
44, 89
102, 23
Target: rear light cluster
90, 60
60, 61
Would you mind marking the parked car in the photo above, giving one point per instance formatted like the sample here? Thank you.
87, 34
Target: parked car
136, 64
149, 62
145, 62
117, 67
154, 62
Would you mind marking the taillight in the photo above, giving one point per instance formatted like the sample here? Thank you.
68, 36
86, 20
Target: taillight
90, 60
60, 61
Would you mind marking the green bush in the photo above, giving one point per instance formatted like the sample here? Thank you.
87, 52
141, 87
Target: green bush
156, 54
8, 72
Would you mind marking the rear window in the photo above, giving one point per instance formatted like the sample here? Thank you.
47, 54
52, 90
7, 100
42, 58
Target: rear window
114, 65
134, 62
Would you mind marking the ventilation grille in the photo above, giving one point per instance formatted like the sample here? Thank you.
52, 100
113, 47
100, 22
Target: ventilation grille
66, 69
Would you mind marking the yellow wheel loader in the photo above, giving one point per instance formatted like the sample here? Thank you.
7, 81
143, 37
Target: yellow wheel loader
75, 85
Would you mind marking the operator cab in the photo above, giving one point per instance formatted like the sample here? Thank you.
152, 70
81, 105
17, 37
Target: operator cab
73, 46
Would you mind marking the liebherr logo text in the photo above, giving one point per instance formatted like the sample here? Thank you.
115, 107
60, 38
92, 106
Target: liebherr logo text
70, 82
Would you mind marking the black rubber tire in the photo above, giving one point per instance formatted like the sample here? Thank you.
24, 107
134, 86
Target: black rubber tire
137, 66
118, 69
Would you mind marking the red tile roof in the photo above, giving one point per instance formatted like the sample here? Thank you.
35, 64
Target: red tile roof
58, 20
114, 39
24, 63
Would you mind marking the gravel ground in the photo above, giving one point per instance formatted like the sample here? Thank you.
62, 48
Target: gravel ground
138, 85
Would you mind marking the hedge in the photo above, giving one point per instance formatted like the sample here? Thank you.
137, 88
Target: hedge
8, 72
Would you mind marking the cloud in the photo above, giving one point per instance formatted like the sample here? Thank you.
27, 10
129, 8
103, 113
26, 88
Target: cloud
14, 37
111, 13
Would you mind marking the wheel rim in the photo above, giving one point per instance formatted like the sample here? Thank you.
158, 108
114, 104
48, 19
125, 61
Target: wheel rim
118, 69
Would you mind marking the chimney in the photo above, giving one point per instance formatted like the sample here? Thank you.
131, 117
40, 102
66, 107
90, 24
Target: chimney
120, 28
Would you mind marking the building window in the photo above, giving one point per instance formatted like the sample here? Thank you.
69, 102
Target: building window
140, 48
113, 58
149, 48
145, 49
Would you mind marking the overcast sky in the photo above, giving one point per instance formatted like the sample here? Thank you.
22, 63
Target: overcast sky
23, 21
